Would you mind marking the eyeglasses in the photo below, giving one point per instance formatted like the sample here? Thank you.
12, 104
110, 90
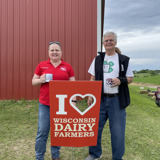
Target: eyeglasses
54, 42
109, 40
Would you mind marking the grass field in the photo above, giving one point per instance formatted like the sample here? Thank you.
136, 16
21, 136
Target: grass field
19, 126
147, 78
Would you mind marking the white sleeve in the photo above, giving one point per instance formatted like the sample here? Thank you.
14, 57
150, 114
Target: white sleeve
129, 72
92, 68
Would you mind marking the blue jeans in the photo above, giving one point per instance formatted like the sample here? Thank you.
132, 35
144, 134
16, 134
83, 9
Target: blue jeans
110, 108
42, 134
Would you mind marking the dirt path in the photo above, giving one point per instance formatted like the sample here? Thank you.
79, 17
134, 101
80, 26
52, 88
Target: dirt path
144, 85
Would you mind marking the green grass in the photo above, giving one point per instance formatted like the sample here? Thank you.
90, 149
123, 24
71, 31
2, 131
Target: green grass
143, 129
82, 104
147, 78
19, 127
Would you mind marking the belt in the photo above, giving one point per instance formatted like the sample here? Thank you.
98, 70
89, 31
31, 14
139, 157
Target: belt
110, 95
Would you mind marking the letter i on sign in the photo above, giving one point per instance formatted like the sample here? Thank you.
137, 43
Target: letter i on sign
61, 104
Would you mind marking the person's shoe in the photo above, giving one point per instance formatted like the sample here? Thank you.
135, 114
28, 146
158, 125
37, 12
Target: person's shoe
91, 158
55, 159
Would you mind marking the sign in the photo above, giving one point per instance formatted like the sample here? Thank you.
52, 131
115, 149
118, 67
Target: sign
73, 125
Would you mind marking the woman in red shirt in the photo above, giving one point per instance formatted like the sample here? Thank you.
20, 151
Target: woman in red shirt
59, 70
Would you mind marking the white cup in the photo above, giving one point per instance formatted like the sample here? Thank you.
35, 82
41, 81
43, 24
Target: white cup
49, 77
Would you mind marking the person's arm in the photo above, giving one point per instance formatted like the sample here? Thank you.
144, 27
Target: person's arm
92, 78
153, 97
130, 79
38, 80
74, 100
90, 100
118, 81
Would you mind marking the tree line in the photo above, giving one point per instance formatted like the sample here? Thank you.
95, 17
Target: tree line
151, 72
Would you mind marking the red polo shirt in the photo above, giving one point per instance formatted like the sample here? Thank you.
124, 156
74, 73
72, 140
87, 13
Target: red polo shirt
62, 72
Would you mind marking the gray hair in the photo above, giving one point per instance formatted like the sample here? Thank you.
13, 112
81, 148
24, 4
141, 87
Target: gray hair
110, 34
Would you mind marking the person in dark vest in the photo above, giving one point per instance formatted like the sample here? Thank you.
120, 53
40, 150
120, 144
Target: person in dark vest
114, 70
157, 96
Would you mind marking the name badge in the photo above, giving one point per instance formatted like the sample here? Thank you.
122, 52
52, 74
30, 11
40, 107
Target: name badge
106, 68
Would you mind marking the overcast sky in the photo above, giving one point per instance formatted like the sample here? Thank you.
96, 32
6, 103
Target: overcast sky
137, 24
